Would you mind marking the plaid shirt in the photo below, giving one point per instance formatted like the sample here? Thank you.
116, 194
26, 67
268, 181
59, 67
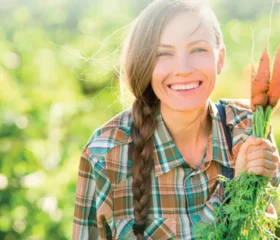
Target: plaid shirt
181, 196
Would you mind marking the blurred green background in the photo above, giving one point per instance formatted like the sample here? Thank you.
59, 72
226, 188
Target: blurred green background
59, 64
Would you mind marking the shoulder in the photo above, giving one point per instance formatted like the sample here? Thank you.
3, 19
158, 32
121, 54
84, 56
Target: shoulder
238, 112
113, 133
107, 148
239, 119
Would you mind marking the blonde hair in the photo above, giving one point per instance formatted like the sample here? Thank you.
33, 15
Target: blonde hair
137, 64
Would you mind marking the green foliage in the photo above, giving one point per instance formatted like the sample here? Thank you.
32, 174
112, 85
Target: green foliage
59, 82
241, 219
244, 10
261, 121
242, 213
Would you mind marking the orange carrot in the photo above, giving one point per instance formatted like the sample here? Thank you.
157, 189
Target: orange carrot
260, 81
253, 76
274, 89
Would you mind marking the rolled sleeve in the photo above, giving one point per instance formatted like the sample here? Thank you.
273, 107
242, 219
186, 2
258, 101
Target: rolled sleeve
276, 178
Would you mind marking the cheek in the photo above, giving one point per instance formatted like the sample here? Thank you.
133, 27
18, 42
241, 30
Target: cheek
207, 63
161, 71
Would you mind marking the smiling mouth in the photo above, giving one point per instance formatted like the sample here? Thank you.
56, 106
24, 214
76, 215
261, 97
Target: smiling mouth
185, 87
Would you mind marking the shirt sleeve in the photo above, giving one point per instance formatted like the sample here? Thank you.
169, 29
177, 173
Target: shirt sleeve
271, 211
93, 206
276, 178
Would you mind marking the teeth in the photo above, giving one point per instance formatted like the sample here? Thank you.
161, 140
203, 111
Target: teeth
185, 87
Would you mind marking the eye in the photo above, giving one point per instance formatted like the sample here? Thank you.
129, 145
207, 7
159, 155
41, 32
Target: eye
162, 54
198, 50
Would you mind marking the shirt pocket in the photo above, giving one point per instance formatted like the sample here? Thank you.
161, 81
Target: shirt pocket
157, 229
207, 213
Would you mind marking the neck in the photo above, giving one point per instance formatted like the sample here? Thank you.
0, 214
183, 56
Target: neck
188, 127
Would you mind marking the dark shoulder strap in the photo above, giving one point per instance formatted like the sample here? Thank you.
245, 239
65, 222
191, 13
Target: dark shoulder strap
227, 172
222, 113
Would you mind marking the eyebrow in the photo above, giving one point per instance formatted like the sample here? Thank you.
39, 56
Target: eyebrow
189, 44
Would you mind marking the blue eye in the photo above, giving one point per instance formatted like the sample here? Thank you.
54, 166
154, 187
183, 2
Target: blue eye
163, 54
198, 50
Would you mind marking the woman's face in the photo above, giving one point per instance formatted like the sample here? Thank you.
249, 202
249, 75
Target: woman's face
187, 64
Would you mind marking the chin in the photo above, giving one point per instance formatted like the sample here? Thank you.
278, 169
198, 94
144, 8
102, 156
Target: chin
187, 107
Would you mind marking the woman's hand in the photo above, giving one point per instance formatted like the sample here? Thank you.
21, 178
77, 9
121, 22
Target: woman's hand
259, 156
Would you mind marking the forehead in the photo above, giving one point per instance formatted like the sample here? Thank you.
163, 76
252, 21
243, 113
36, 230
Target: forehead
187, 27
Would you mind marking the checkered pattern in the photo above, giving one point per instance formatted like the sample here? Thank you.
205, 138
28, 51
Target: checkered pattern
181, 196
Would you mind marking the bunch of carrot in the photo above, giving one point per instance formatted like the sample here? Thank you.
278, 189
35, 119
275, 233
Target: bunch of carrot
265, 93
244, 216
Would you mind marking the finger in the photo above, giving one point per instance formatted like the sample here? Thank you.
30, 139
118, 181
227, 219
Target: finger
250, 141
275, 157
262, 171
265, 144
266, 154
265, 163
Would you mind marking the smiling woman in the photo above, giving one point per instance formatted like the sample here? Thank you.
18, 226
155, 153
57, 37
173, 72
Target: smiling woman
183, 79
191, 55
152, 171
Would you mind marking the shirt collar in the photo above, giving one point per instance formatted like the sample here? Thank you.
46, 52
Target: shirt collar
167, 155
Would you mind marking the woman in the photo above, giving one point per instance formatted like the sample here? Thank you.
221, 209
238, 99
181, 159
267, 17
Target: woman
151, 172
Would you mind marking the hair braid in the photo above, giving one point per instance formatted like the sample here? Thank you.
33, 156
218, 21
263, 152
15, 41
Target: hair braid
139, 56
143, 146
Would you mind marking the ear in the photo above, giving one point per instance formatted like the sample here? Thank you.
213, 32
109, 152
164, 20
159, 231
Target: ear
221, 59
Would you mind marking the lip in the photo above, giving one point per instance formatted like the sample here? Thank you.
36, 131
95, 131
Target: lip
185, 92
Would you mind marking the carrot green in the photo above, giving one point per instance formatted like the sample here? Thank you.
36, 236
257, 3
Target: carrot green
242, 214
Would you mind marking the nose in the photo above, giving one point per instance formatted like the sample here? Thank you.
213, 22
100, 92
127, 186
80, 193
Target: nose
183, 65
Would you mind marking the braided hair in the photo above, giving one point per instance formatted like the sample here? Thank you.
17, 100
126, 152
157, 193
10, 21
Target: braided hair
137, 63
